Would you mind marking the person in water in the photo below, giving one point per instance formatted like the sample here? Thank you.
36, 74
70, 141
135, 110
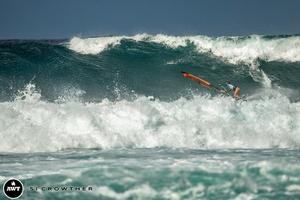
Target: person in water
235, 90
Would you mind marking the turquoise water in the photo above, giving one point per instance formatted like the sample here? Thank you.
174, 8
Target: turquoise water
115, 115
159, 173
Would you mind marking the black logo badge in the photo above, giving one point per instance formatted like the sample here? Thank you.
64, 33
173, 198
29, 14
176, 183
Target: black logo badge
13, 188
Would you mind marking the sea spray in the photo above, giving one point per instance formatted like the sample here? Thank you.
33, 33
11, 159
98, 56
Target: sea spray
202, 122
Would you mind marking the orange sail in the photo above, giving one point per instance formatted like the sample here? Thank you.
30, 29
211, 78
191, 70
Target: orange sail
197, 79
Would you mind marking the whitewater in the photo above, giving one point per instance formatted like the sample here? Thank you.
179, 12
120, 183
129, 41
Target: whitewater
115, 113
203, 122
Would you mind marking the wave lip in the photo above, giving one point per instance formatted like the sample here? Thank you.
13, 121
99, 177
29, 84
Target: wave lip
234, 50
92, 45
99, 44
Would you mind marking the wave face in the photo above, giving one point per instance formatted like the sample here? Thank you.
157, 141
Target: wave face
127, 91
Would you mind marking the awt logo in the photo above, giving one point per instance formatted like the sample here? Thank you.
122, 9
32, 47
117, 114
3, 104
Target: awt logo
13, 188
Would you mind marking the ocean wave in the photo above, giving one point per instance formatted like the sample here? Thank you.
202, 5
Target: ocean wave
29, 124
149, 65
235, 50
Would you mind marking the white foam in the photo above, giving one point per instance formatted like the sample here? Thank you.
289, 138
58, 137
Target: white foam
143, 191
236, 50
293, 188
97, 45
31, 125
231, 49
92, 45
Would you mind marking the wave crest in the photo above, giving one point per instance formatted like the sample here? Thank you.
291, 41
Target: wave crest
234, 50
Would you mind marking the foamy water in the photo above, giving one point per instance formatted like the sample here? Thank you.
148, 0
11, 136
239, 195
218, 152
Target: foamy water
29, 124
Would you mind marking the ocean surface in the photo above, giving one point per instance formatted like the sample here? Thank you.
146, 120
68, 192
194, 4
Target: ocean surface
114, 114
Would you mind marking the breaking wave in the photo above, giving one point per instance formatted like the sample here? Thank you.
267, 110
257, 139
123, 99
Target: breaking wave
235, 50
203, 122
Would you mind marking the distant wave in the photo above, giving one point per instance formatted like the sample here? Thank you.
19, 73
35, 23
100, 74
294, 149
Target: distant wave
234, 50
